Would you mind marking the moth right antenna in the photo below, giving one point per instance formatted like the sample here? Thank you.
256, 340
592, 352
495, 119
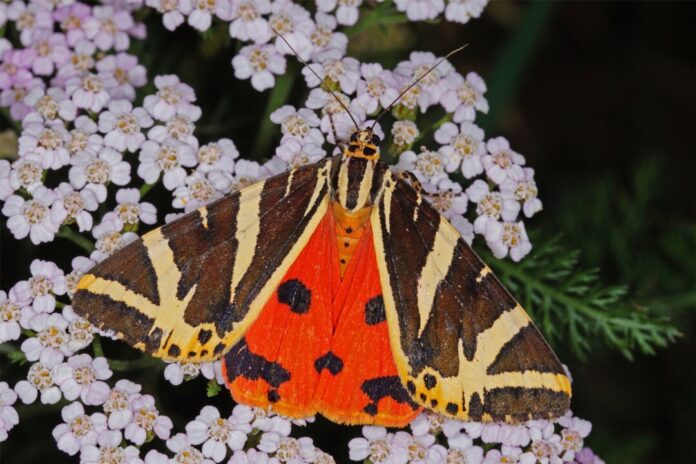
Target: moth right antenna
321, 79
403, 92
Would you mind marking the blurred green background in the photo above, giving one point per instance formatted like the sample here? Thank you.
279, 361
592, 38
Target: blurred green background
601, 99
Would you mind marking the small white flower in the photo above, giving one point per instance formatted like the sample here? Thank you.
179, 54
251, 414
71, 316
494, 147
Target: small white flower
80, 330
217, 156
217, 433
81, 376
404, 133
49, 105
185, 452
46, 142
27, 173
420, 66
343, 73
420, 10
464, 97
176, 372
37, 217
295, 24
448, 199
95, 172
173, 11
77, 205
428, 166
46, 280
461, 11
297, 154
125, 72
198, 190
507, 237
463, 148
343, 124
84, 137
260, 63
420, 449
78, 429
169, 157
502, 163
251, 456
146, 419
50, 345
39, 379
130, 210
246, 173
171, 96
117, 404
180, 127
109, 237
10, 310
122, 125
201, 15
108, 450
464, 227
248, 22
108, 27
346, 10
6, 188
328, 44
525, 191
89, 91
8, 414
491, 206
288, 449
300, 123
377, 87
376, 446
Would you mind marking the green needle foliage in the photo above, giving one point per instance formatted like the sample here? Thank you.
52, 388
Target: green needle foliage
572, 307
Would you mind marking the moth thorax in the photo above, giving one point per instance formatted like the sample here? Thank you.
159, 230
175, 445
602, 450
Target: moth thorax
353, 184
363, 144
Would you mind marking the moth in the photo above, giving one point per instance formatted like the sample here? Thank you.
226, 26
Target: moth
334, 288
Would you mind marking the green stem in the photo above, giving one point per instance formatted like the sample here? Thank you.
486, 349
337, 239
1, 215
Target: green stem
145, 189
140, 363
446, 118
279, 95
67, 233
382, 15
97, 346
514, 58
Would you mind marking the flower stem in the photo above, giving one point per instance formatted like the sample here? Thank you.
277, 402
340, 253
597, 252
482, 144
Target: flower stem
382, 15
145, 189
69, 234
135, 364
97, 346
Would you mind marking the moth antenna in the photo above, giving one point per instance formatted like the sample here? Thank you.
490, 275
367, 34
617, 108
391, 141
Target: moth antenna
403, 92
297, 55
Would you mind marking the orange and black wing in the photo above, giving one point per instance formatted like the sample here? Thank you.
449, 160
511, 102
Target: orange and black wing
462, 345
188, 291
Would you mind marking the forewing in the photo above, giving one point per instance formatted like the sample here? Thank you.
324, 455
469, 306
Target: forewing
462, 345
188, 290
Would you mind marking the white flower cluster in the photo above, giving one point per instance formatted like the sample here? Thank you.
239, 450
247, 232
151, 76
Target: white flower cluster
537, 441
86, 140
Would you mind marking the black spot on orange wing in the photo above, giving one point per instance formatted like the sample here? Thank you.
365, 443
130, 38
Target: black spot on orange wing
174, 351
383, 387
218, 348
329, 361
430, 381
241, 362
452, 408
374, 311
273, 396
296, 295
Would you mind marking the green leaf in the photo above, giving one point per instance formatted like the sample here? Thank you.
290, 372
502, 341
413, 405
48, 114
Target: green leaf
213, 388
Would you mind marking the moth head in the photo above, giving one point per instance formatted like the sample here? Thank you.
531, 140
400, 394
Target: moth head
363, 144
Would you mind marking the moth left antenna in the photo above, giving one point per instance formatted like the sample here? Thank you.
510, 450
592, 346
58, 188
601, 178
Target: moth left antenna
403, 92
321, 79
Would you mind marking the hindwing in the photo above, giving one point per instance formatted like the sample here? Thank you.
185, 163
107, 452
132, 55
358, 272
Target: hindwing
462, 345
188, 290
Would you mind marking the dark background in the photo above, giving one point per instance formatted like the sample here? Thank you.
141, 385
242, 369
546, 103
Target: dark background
601, 99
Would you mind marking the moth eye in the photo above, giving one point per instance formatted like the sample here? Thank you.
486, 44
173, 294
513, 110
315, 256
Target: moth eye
375, 139
354, 137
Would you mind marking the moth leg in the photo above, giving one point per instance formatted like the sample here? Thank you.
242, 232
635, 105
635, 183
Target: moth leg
411, 178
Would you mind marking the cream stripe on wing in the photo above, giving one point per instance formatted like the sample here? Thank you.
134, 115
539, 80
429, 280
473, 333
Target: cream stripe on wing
247, 233
365, 186
343, 183
437, 264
